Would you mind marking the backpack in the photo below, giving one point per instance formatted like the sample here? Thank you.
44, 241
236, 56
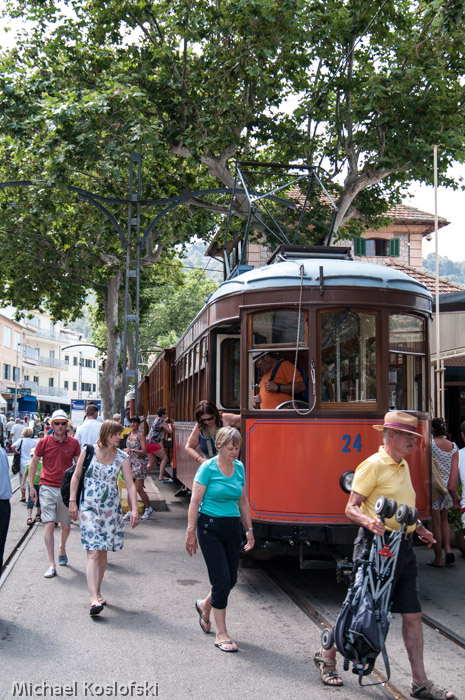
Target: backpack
68, 475
303, 396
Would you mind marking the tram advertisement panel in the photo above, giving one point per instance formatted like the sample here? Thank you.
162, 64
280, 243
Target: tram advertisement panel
294, 466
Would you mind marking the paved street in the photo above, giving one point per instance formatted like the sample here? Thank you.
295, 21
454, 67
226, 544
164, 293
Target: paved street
149, 633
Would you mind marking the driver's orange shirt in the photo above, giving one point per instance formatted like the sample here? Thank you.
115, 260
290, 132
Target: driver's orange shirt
284, 375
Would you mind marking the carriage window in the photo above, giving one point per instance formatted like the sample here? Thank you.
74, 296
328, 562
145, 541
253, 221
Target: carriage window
230, 373
278, 328
203, 353
348, 356
407, 389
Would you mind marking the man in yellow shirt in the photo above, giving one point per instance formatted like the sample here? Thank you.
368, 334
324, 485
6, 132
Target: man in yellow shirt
386, 473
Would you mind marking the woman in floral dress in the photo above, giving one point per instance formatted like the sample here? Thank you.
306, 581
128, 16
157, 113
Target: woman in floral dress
137, 451
101, 520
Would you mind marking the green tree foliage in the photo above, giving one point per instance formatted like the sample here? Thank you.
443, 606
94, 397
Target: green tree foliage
173, 306
448, 269
193, 84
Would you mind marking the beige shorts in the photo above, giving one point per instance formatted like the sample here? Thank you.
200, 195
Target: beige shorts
52, 508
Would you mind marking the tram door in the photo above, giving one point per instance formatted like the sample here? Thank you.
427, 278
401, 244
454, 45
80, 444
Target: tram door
227, 384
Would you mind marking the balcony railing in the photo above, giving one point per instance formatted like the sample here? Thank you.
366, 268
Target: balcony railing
30, 353
52, 362
44, 390
53, 335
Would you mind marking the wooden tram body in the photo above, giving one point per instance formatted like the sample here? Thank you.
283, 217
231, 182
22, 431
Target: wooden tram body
364, 344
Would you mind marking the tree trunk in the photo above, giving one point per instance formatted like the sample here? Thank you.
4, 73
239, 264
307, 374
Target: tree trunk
110, 404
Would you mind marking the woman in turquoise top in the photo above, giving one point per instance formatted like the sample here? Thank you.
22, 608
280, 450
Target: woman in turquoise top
218, 505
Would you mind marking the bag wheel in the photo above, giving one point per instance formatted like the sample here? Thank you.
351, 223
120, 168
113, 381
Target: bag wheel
412, 516
402, 513
381, 506
392, 507
327, 639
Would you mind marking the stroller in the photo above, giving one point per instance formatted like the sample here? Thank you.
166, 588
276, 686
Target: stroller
363, 622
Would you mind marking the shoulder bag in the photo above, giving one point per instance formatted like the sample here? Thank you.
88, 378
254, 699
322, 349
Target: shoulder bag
16, 466
68, 475
437, 485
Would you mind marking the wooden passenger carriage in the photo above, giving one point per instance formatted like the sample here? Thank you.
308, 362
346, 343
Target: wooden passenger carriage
359, 331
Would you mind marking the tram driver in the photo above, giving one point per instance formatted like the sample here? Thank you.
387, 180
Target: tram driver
277, 380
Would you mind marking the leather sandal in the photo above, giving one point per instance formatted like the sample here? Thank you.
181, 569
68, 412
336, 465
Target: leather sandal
327, 669
430, 691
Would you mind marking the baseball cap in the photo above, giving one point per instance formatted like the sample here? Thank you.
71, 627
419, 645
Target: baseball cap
258, 355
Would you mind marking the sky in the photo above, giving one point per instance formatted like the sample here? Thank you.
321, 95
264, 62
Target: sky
451, 206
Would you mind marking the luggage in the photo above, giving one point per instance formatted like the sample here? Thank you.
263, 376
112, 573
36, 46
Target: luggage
363, 622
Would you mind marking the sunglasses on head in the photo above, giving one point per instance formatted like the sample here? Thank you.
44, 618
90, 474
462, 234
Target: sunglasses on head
60, 422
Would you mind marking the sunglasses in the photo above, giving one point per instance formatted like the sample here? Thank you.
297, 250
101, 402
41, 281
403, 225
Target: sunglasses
56, 422
207, 420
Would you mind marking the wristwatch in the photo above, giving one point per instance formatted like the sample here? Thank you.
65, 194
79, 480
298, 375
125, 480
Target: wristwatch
278, 388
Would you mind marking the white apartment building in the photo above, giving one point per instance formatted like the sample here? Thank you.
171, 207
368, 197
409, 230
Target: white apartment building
54, 364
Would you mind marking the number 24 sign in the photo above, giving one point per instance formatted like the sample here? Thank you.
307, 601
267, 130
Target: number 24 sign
351, 443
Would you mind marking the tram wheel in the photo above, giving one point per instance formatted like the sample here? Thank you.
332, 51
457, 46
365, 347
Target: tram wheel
412, 516
327, 639
402, 513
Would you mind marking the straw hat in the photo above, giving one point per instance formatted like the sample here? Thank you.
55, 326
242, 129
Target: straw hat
58, 415
400, 421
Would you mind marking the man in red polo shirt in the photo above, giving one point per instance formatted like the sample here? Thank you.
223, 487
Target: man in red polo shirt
58, 451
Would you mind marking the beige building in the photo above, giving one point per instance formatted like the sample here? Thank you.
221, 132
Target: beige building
10, 359
46, 363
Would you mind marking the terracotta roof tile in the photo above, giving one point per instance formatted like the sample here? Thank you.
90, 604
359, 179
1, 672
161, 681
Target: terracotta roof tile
400, 213
426, 278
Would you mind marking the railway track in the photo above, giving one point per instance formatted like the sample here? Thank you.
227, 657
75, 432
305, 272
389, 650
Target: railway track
387, 688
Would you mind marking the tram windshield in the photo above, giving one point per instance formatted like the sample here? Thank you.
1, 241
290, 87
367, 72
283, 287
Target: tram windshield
283, 328
348, 356
407, 363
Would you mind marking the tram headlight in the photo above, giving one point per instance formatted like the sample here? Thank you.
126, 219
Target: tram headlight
345, 482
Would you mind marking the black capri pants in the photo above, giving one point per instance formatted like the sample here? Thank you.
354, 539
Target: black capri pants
220, 541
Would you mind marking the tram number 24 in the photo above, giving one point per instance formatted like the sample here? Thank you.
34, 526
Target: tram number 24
351, 443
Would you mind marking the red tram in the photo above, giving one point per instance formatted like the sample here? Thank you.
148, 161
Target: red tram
360, 333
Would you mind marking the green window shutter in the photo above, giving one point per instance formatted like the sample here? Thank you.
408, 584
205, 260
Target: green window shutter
394, 247
360, 246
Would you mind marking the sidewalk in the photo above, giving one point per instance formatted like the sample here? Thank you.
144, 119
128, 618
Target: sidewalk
149, 632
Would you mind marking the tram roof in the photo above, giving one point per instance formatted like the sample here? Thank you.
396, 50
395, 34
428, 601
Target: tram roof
336, 273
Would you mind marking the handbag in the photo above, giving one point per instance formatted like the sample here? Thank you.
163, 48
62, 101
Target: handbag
16, 465
68, 475
437, 485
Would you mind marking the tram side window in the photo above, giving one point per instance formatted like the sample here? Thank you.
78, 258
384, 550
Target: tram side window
407, 389
348, 356
230, 373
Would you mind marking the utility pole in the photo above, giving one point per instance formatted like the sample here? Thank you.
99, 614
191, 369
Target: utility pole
18, 345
